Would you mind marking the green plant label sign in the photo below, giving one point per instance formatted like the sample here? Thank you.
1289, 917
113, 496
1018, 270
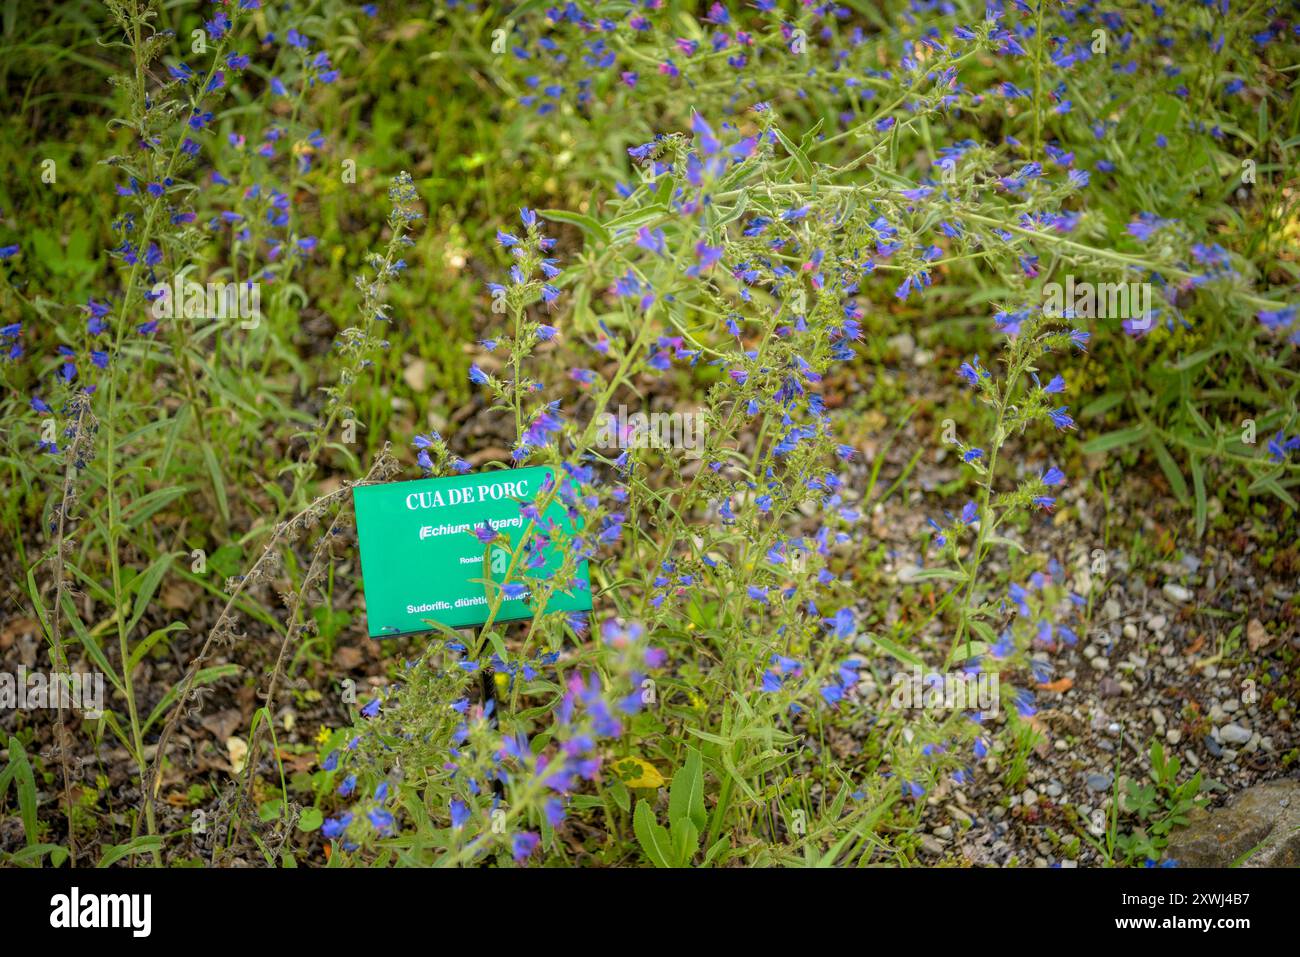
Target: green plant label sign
423, 558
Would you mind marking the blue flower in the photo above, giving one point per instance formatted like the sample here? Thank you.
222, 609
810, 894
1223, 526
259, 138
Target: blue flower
842, 624
460, 814
1061, 418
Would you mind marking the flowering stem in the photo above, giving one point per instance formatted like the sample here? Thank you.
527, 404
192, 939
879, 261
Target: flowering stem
985, 520
1038, 80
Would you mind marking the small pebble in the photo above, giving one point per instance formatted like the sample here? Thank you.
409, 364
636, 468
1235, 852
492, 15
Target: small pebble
1177, 593
1234, 734
1098, 782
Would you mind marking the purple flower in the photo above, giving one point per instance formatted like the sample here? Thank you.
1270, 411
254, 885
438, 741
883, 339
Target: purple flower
842, 624
523, 844
1061, 418
460, 814
382, 820
705, 141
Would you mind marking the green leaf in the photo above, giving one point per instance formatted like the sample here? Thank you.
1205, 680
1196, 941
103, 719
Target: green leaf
58, 854
146, 843
800, 157
142, 649
146, 584
91, 644
585, 223
622, 796
898, 652
310, 819
1170, 468
20, 771
686, 841
652, 836
686, 796
1114, 440
218, 481
720, 845
1102, 404
928, 574
1270, 483
1198, 487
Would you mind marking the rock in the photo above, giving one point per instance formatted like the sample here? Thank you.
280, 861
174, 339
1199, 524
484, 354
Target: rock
1234, 734
1098, 782
1262, 821
903, 344
931, 846
1256, 636
1099, 663
1176, 593
1130, 631
944, 832
1157, 623
1054, 790
416, 375
1215, 749
1158, 717
1173, 736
